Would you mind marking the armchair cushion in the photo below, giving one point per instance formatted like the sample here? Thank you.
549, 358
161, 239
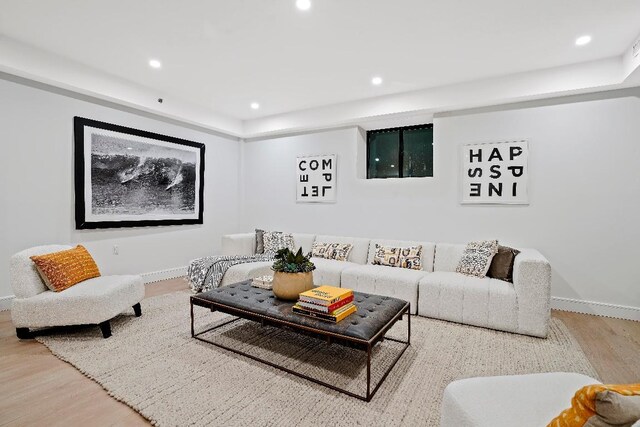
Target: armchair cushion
90, 302
25, 280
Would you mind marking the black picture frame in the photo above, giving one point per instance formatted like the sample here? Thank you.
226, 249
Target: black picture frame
81, 220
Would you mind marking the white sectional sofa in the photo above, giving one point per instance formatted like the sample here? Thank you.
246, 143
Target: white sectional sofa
436, 291
522, 306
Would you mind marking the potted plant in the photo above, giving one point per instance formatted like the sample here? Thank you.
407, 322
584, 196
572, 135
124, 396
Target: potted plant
292, 274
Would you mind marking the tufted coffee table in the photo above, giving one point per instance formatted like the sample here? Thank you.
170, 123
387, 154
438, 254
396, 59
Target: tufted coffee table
362, 330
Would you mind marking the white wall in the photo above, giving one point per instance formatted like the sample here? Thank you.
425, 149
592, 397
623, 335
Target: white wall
37, 196
584, 192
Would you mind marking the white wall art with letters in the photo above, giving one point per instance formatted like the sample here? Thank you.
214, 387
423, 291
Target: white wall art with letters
316, 179
495, 173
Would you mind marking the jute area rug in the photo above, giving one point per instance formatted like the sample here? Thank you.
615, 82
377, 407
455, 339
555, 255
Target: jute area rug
153, 365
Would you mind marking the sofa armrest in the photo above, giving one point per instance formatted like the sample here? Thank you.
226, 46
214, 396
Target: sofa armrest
239, 244
532, 282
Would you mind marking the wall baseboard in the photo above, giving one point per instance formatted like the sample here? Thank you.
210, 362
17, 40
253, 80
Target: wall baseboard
596, 308
171, 273
5, 302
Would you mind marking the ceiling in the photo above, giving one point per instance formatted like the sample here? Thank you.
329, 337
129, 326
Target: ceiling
224, 55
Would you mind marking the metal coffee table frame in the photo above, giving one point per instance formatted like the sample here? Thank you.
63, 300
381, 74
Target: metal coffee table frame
365, 345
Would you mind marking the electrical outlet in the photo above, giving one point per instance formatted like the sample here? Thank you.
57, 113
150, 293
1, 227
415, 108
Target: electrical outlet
116, 249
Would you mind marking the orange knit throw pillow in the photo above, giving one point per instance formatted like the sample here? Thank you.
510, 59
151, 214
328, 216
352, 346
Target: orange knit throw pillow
61, 270
614, 404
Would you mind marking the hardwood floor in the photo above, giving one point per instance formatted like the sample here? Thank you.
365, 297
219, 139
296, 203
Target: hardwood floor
611, 345
38, 389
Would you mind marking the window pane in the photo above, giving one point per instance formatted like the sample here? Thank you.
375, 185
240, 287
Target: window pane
417, 159
383, 158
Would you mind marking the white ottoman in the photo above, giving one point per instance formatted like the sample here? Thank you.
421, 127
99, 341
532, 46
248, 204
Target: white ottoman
517, 400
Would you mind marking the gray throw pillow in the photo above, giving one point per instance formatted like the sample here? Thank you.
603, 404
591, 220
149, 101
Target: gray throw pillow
259, 241
502, 264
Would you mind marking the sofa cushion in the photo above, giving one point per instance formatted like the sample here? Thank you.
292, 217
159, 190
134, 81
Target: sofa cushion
427, 250
329, 271
486, 302
304, 241
248, 270
447, 256
90, 302
359, 251
387, 281
238, 244
516, 400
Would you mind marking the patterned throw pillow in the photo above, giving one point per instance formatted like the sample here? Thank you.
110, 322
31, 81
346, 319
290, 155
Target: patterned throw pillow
602, 405
477, 257
399, 257
276, 240
337, 251
61, 270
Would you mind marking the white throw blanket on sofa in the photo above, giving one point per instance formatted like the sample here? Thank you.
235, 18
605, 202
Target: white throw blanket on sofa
206, 273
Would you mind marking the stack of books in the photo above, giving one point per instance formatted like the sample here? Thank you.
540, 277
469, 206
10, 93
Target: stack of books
326, 303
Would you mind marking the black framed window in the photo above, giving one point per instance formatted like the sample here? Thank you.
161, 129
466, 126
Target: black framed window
400, 152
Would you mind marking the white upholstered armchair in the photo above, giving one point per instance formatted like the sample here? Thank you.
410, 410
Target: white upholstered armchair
94, 301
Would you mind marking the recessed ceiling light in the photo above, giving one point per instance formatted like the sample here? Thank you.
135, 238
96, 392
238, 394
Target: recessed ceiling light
154, 63
303, 4
376, 81
377, 159
255, 105
582, 40
393, 166
129, 148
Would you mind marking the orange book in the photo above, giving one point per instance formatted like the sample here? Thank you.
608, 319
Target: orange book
325, 295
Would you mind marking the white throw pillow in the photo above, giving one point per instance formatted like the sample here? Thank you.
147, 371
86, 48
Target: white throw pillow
276, 240
476, 258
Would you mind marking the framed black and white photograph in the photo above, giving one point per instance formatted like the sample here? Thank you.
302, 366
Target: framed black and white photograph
316, 179
495, 173
127, 177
